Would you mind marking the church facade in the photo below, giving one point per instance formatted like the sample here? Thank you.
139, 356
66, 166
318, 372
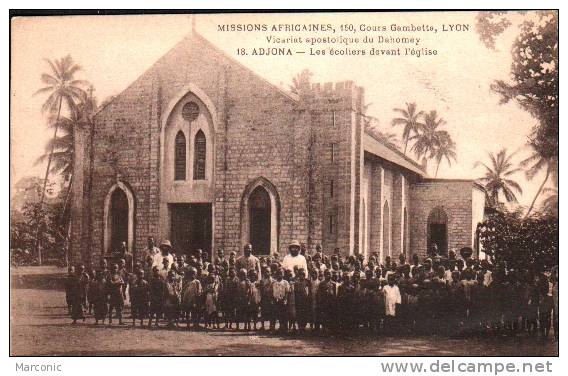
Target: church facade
202, 151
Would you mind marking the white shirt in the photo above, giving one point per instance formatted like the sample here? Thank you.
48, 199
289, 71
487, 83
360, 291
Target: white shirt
159, 260
487, 278
290, 262
392, 298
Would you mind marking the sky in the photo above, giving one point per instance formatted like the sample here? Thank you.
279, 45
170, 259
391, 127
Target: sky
114, 50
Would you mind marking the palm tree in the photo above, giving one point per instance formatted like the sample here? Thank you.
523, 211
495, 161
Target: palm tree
497, 179
550, 203
410, 120
428, 136
534, 164
62, 89
445, 149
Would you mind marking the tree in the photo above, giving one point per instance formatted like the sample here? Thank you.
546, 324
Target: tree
527, 244
433, 142
534, 71
497, 179
302, 83
550, 203
536, 163
63, 90
445, 149
410, 121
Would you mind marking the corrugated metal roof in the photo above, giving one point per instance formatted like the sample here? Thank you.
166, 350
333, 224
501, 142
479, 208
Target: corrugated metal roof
374, 146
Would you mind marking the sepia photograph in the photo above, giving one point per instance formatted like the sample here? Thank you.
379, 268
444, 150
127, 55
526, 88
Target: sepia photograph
256, 183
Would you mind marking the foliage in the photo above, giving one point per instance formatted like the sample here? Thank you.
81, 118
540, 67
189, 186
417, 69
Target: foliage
445, 149
498, 180
80, 117
529, 243
550, 203
46, 220
410, 120
534, 71
301, 83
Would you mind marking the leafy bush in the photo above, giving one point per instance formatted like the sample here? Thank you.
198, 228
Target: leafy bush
530, 243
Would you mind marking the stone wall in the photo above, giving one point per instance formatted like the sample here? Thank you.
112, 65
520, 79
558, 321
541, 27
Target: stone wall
455, 198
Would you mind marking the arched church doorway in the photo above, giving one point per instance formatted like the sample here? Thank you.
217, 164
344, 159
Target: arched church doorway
118, 219
260, 220
438, 230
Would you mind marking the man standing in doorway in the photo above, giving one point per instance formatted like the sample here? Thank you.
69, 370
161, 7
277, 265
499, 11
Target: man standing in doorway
166, 252
248, 261
294, 258
151, 251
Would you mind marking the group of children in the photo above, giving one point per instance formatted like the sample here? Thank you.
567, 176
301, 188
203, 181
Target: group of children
433, 296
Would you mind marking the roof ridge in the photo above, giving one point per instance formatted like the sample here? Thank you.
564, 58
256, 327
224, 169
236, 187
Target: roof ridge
288, 94
395, 149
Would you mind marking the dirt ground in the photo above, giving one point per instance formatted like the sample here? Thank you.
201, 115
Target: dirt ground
39, 326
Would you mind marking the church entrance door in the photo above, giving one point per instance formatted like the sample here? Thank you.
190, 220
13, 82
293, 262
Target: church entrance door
260, 217
191, 228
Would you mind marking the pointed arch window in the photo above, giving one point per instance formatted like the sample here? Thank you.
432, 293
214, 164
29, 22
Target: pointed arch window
180, 156
200, 149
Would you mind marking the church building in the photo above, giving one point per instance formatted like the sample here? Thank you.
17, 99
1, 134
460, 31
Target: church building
202, 151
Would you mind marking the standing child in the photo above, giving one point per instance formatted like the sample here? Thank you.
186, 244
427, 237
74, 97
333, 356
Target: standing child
302, 300
211, 293
69, 281
345, 292
191, 298
255, 297
314, 284
243, 300
116, 297
76, 296
266, 308
99, 298
139, 297
392, 298
280, 291
289, 276
230, 291
157, 293
326, 296
172, 299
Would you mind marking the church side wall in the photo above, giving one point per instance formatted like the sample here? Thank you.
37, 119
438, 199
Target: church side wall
455, 198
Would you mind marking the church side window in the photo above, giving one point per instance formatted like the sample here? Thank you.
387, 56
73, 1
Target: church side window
180, 157
332, 152
200, 156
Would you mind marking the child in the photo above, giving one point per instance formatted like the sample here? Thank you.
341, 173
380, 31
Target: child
172, 299
84, 279
116, 296
326, 296
211, 293
280, 291
99, 297
124, 275
255, 297
289, 276
230, 298
314, 284
76, 296
302, 300
157, 293
243, 300
191, 296
392, 298
266, 308
139, 298
345, 293
69, 281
